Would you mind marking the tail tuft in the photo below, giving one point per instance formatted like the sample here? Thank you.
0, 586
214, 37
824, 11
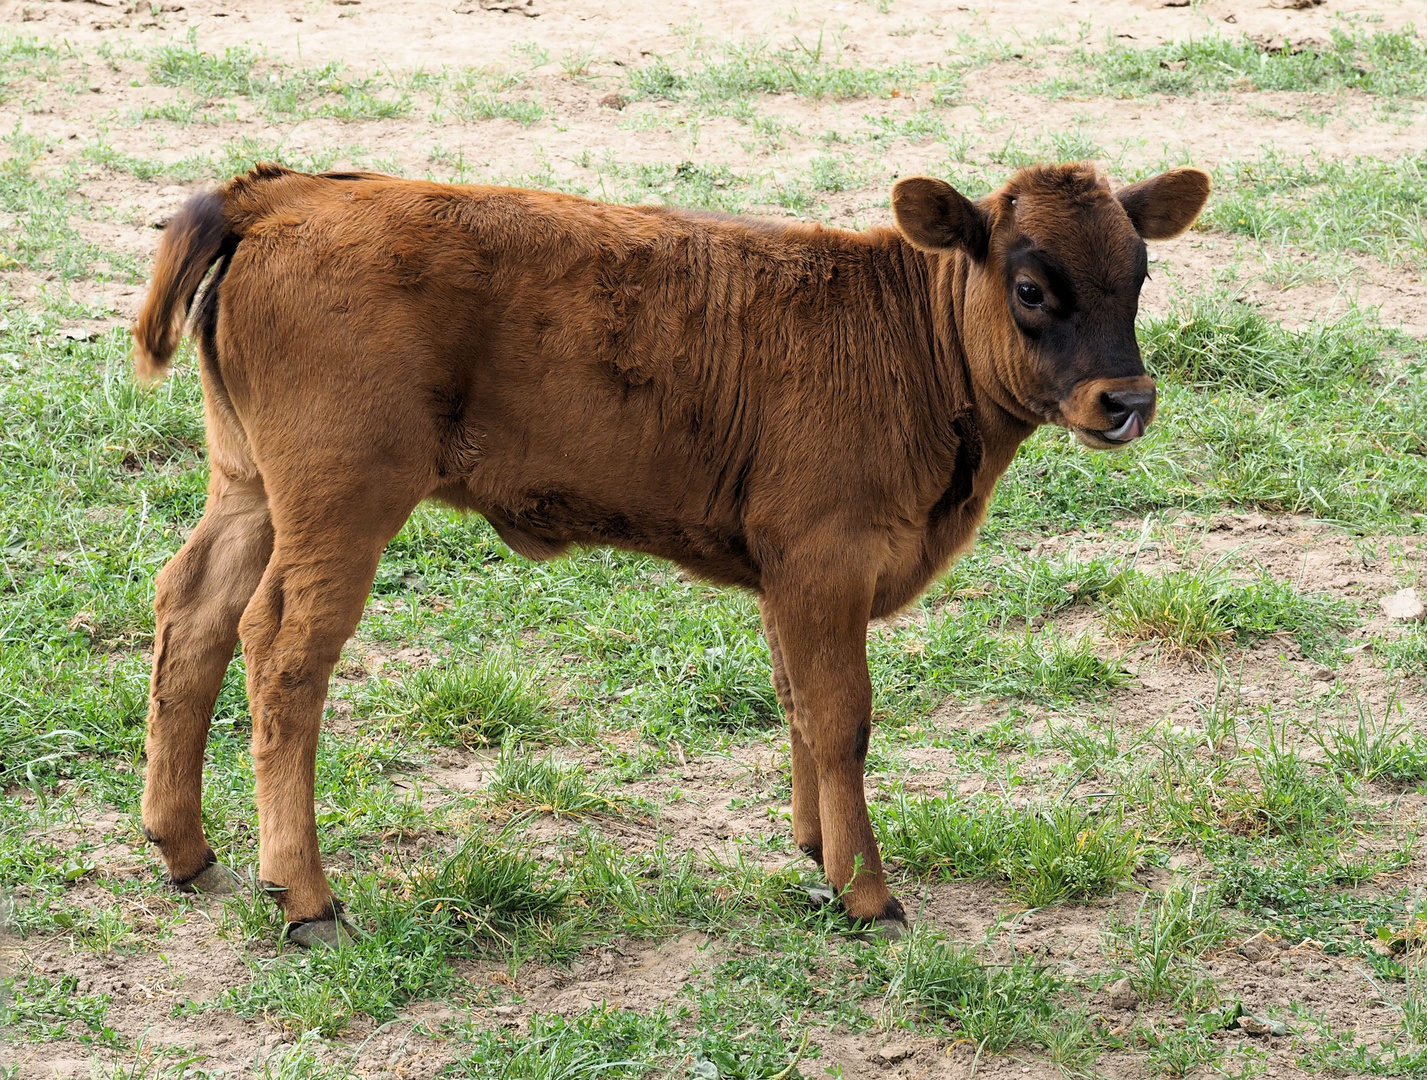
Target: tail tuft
191, 244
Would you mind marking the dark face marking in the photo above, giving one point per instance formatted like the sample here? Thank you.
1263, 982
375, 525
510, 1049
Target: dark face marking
1040, 287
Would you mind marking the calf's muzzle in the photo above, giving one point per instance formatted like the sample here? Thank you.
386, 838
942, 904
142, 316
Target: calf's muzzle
1110, 412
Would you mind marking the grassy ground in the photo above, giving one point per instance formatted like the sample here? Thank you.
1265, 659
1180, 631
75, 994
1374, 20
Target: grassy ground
1149, 767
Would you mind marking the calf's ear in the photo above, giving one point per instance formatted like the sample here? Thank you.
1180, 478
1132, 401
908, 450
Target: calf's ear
934, 216
1165, 205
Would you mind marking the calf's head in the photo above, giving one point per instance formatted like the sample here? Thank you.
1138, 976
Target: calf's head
1055, 261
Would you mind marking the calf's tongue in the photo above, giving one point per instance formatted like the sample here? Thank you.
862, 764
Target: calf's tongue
1131, 429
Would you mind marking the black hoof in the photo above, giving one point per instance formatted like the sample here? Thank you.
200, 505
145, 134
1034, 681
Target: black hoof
215, 879
891, 925
820, 895
334, 933
812, 851
888, 929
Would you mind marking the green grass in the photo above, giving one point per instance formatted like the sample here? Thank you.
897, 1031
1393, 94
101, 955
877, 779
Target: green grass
994, 1006
1407, 652
1160, 946
700, 186
476, 702
277, 89
1196, 613
1044, 855
613, 1043
1216, 344
25, 59
1358, 205
486, 887
1386, 63
1342, 1054
547, 787
717, 78
1257, 784
42, 1009
324, 991
1310, 891
1375, 749
47, 238
490, 106
972, 652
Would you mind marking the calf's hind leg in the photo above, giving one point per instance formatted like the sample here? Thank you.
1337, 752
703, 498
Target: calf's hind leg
198, 599
308, 603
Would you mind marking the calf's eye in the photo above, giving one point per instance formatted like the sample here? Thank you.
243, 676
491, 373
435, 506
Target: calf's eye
1029, 293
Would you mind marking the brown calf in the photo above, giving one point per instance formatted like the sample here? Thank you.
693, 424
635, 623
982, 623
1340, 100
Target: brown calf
814, 414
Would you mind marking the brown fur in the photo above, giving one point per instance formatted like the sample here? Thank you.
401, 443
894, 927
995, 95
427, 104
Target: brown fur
814, 414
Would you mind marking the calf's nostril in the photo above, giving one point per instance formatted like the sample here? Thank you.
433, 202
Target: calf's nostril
1114, 410
1119, 404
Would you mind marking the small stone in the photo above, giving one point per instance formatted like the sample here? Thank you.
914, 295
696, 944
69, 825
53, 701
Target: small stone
1257, 948
1323, 674
1261, 1025
894, 1052
1122, 995
1403, 606
524, 7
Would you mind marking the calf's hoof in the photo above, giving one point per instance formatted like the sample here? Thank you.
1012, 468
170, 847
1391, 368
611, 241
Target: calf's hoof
820, 895
891, 925
334, 933
215, 879
888, 929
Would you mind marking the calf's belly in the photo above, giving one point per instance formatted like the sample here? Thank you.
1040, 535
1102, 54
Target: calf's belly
545, 524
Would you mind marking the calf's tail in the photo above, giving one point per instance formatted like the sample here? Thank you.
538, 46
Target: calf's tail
193, 241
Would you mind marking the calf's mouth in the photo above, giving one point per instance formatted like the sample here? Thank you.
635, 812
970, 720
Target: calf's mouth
1106, 414
1129, 431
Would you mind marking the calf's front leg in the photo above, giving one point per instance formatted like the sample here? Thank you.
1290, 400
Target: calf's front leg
822, 640
807, 824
